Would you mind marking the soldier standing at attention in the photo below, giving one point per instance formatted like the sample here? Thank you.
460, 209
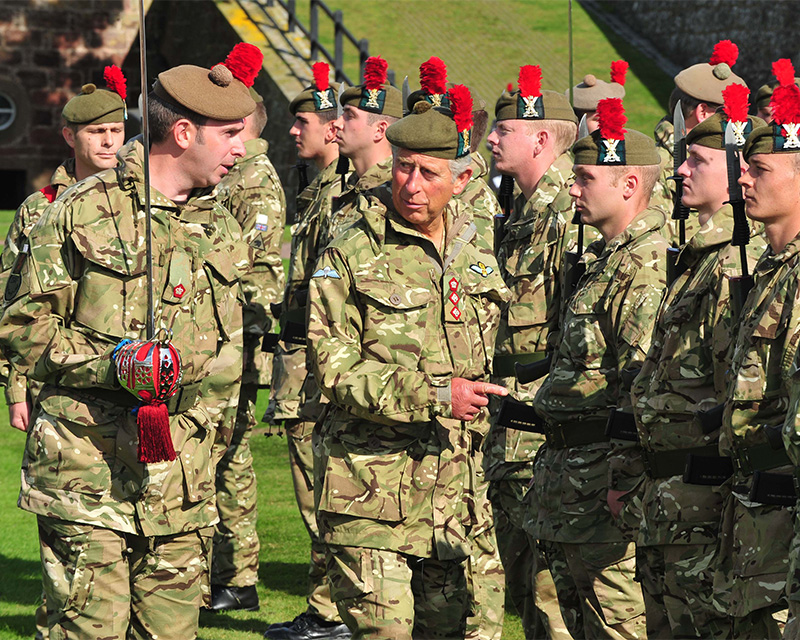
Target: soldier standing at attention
605, 333
530, 144
404, 309
683, 377
126, 502
315, 111
95, 130
252, 192
756, 527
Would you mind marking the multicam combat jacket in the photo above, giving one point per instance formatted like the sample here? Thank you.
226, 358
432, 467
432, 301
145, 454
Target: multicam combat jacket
391, 322
252, 192
82, 290
287, 395
25, 217
531, 256
686, 372
606, 332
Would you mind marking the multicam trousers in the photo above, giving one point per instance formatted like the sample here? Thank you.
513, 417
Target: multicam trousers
105, 584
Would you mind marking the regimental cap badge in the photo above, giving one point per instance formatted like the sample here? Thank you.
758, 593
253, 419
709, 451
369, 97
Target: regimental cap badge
736, 106
373, 95
785, 105
611, 118
324, 97
433, 82
529, 97
460, 100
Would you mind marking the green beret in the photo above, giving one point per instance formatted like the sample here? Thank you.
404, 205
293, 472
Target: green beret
635, 150
550, 105
431, 131
765, 91
592, 90
94, 106
441, 99
386, 100
705, 82
711, 131
771, 138
309, 99
214, 93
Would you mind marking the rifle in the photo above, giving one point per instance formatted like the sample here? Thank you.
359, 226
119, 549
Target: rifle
679, 211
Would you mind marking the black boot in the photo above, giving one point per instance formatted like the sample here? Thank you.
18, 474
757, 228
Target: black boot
232, 598
309, 627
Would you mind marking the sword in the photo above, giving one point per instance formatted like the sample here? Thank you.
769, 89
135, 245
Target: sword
679, 211
151, 322
740, 285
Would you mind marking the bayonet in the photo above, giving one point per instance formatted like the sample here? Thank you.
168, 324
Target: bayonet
740, 285
343, 164
583, 127
505, 196
679, 211
406, 93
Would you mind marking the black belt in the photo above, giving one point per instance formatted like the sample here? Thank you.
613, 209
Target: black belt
504, 363
184, 399
762, 457
710, 470
519, 416
622, 426
773, 488
663, 464
576, 436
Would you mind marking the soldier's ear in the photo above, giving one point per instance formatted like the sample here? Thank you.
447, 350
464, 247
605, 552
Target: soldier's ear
69, 136
183, 133
330, 132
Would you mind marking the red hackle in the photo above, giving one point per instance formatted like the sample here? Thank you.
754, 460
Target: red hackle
321, 72
619, 69
783, 70
724, 51
375, 72
115, 80
785, 101
461, 106
736, 103
244, 62
530, 80
611, 117
433, 76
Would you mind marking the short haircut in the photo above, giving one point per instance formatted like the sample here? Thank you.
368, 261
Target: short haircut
162, 115
258, 119
648, 174
688, 103
563, 132
374, 118
329, 115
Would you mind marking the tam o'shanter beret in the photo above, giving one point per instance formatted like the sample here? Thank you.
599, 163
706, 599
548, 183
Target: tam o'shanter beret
711, 131
221, 93
782, 135
320, 96
529, 102
592, 90
706, 80
375, 95
98, 106
613, 145
439, 132
433, 84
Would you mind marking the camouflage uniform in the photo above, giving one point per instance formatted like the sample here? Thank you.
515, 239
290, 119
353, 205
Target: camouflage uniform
26, 216
605, 331
530, 256
390, 323
252, 192
685, 372
754, 541
292, 390
82, 291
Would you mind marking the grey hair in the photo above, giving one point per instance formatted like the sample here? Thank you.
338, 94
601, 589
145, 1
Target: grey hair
457, 166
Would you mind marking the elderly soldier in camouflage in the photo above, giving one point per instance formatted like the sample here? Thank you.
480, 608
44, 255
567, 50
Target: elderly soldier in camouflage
699, 91
292, 397
682, 380
404, 310
252, 192
95, 130
604, 334
125, 535
757, 516
530, 146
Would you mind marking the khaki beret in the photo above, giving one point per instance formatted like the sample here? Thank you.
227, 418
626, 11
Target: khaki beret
94, 106
549, 105
592, 90
214, 93
706, 80
375, 94
636, 150
320, 95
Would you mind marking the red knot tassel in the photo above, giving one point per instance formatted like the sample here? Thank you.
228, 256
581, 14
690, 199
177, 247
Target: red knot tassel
155, 441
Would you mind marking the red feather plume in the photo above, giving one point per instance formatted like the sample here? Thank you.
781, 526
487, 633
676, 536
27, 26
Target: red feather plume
530, 80
785, 101
736, 103
115, 80
375, 72
612, 119
433, 76
724, 51
619, 69
321, 72
509, 87
244, 62
461, 106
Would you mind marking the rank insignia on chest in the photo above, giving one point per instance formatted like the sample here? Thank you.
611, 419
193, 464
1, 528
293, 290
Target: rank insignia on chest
481, 269
453, 284
262, 222
455, 312
178, 291
326, 272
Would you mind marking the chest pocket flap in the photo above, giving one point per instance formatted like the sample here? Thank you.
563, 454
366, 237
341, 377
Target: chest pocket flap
393, 295
101, 245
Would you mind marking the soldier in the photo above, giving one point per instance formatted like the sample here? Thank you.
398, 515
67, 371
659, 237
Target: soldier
404, 308
531, 146
291, 400
756, 525
95, 130
683, 378
361, 136
592, 89
125, 534
252, 192
604, 334
699, 90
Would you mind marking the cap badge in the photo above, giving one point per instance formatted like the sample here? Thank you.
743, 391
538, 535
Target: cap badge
530, 106
324, 99
611, 151
739, 131
372, 99
791, 130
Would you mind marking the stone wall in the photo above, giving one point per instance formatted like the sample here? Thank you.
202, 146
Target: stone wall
685, 31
